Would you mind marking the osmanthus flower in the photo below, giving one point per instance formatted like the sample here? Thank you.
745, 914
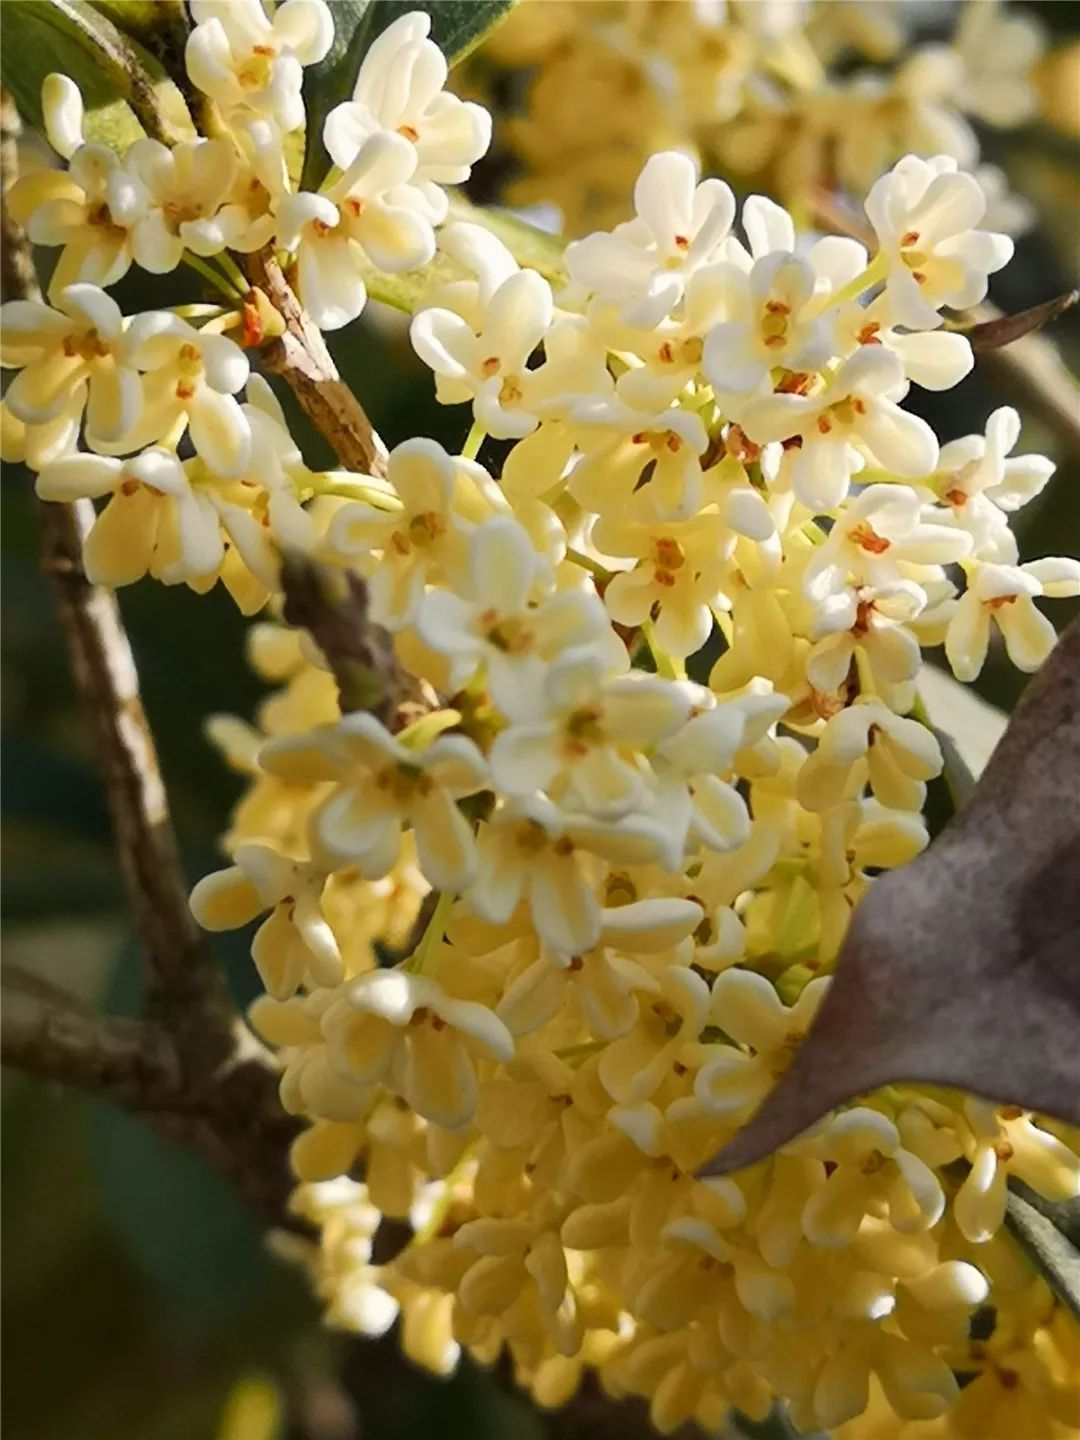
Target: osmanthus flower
530, 850
679, 577
520, 1259
372, 211
735, 1078
983, 485
879, 532
90, 210
638, 944
184, 203
248, 61
295, 944
771, 320
403, 1031
924, 213
189, 376
486, 262
156, 522
585, 744
1001, 1141
696, 802
617, 443
869, 623
347, 1218
917, 1382
855, 415
380, 786
871, 1170
868, 742
1004, 596
722, 877
506, 624
425, 541
71, 360
399, 88
633, 1066
489, 367
643, 265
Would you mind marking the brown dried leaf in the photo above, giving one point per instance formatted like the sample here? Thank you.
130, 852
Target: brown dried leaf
1004, 329
963, 967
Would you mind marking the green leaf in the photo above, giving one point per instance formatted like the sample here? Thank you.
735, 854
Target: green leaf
1049, 1235
124, 90
457, 26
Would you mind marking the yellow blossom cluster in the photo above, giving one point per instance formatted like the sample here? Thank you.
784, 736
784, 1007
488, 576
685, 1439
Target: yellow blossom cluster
531, 958
798, 97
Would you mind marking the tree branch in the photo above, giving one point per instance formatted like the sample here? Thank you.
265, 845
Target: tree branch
301, 358
49, 1034
223, 1100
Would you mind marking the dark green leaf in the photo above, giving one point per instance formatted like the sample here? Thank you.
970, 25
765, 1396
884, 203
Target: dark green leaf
1050, 1236
70, 36
960, 968
457, 26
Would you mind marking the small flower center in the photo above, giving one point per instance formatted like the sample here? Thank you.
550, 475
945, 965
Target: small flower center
866, 538
424, 530
584, 728
508, 633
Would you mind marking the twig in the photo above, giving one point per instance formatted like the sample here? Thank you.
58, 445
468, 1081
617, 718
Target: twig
224, 1103
49, 1034
301, 358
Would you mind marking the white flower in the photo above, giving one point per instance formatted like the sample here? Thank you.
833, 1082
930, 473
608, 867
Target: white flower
295, 944
864, 742
644, 264
975, 477
499, 624
184, 203
489, 366
1005, 1141
424, 539
766, 326
399, 89
382, 786
736, 1078
924, 213
587, 742
246, 61
191, 375
371, 207
71, 359
694, 798
62, 112
855, 413
404, 1031
618, 442
1004, 595
155, 520
870, 1168
90, 210
870, 622
487, 262
873, 536
531, 850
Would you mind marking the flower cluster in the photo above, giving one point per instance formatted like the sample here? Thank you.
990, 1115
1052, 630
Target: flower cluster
790, 95
532, 957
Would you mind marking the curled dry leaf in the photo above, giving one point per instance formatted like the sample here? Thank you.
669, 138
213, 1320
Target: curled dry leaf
962, 968
1004, 329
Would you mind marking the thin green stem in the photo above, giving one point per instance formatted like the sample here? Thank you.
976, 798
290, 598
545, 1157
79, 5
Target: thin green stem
233, 271
419, 962
329, 484
601, 572
475, 438
212, 276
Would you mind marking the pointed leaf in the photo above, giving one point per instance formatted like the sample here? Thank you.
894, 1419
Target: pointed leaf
961, 968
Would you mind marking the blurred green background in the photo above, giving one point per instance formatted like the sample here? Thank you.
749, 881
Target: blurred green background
139, 1301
